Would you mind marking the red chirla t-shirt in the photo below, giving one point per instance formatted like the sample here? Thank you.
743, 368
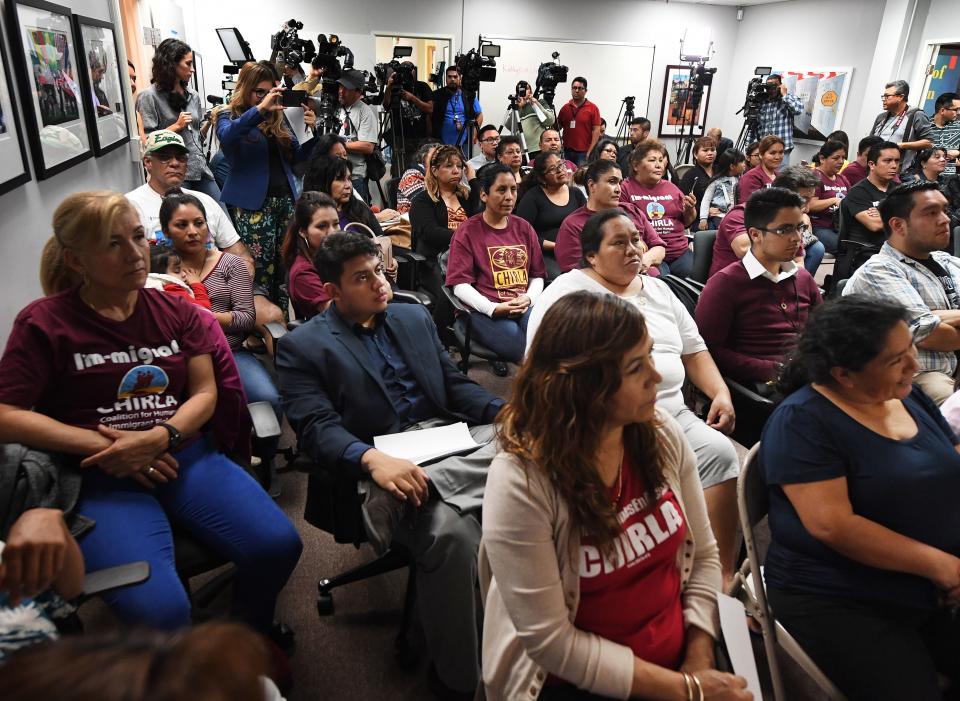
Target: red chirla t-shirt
663, 205
633, 598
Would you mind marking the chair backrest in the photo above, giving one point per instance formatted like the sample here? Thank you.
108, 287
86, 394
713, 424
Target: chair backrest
442, 263
838, 289
702, 254
687, 294
681, 170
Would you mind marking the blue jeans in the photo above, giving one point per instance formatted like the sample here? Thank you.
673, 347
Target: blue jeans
577, 157
682, 266
828, 237
361, 187
259, 387
812, 256
220, 505
505, 337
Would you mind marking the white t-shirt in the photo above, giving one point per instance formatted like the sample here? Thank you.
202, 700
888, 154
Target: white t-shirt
147, 202
362, 126
674, 331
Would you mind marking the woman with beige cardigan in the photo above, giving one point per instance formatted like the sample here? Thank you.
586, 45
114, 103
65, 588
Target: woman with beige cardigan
598, 566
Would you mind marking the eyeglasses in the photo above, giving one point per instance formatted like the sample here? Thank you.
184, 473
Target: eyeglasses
800, 229
260, 93
887, 97
167, 157
560, 168
491, 140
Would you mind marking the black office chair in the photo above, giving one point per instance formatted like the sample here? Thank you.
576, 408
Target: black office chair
703, 242
850, 256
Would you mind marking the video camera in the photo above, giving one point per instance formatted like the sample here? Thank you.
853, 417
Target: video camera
549, 74
478, 65
289, 48
327, 62
759, 91
405, 74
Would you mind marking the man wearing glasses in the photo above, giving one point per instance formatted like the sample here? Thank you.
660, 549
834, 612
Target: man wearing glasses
945, 129
579, 122
908, 127
752, 310
489, 138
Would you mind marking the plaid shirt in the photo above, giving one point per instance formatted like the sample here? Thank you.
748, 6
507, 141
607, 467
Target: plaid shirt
949, 138
776, 118
893, 275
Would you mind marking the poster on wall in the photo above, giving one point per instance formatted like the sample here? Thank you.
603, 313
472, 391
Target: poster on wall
823, 92
44, 48
944, 76
99, 65
679, 110
13, 153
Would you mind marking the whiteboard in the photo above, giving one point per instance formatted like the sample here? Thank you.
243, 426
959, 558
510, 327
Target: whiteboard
612, 70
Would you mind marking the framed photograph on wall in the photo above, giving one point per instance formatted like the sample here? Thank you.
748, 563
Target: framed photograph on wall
99, 67
680, 105
14, 170
44, 52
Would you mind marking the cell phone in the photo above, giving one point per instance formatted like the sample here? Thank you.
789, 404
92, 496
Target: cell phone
293, 98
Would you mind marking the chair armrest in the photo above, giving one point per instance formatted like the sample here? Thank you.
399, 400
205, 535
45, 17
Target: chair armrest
114, 577
410, 256
458, 306
747, 393
276, 330
265, 424
412, 297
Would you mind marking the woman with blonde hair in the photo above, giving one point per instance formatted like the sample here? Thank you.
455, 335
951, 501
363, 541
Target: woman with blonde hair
261, 148
597, 564
122, 380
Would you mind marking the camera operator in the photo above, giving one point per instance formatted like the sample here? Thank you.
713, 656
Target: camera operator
312, 84
639, 130
452, 108
775, 117
579, 122
535, 117
359, 126
292, 73
413, 120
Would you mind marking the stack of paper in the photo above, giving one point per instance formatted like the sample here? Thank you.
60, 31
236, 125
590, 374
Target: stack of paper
427, 444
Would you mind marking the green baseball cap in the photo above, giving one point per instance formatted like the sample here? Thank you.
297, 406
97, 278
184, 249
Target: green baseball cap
163, 138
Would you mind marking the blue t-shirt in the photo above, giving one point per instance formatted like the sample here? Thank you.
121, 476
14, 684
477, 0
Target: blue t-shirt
456, 108
909, 486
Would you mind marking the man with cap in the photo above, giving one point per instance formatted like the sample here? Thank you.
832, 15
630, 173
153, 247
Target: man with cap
360, 127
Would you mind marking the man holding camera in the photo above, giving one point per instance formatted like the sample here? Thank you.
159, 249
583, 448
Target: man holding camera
409, 114
579, 122
453, 109
360, 127
535, 117
775, 117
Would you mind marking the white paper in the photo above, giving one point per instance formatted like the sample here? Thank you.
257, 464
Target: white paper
427, 444
733, 623
295, 117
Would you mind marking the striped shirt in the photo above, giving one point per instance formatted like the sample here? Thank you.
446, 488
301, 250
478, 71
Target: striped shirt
947, 137
231, 290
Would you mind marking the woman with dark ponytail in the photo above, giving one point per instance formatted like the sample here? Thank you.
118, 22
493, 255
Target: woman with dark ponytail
863, 471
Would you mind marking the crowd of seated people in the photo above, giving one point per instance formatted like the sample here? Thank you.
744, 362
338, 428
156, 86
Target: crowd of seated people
597, 510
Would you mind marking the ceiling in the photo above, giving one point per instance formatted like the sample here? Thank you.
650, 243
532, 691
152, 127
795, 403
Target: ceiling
731, 3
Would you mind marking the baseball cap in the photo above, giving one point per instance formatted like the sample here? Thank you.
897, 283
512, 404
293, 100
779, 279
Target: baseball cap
352, 80
163, 138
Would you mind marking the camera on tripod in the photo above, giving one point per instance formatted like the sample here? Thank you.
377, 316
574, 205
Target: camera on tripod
478, 65
759, 91
404, 73
549, 74
289, 48
326, 99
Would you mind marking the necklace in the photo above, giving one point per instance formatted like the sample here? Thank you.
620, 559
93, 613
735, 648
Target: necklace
616, 499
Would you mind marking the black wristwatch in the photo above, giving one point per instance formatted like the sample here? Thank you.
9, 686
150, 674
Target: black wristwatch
176, 438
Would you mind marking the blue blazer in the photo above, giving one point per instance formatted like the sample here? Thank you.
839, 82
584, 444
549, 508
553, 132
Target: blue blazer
333, 395
245, 148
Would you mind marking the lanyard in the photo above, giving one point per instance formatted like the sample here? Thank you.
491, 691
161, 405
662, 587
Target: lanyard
896, 124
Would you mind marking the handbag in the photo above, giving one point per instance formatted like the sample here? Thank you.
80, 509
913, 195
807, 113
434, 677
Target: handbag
384, 242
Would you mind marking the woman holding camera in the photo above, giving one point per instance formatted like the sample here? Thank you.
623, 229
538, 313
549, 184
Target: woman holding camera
261, 189
170, 103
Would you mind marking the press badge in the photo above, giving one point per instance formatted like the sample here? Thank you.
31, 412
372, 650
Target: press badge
573, 123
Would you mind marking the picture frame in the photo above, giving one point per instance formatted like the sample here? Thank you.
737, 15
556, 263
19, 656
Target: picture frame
823, 93
44, 47
98, 61
675, 120
14, 168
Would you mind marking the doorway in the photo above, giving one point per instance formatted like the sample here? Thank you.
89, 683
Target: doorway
430, 54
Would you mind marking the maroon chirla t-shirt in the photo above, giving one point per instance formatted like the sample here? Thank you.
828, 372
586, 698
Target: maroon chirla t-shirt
663, 205
70, 363
499, 263
828, 189
633, 597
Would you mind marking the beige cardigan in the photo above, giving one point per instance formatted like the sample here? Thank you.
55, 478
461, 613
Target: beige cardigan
528, 565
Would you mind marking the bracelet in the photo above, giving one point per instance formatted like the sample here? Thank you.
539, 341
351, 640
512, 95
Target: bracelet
689, 685
699, 688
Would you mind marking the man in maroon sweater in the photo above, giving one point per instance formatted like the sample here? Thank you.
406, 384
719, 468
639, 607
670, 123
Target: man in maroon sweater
751, 311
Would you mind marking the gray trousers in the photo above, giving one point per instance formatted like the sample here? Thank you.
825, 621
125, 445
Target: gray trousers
443, 537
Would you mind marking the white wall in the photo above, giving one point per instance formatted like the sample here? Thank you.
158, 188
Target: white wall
26, 212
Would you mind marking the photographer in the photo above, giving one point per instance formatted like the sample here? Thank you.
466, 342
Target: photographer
535, 117
412, 110
775, 117
359, 126
292, 73
453, 108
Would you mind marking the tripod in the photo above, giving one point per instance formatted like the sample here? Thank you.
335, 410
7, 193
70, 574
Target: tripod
751, 126
624, 117
511, 121
392, 117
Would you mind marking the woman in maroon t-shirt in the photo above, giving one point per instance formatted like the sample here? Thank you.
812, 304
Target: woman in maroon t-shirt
832, 189
668, 209
770, 149
601, 570
314, 216
495, 267
122, 378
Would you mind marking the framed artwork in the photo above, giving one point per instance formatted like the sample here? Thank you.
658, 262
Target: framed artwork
44, 49
99, 67
681, 109
14, 170
823, 92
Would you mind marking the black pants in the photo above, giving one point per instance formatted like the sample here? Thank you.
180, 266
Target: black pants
874, 652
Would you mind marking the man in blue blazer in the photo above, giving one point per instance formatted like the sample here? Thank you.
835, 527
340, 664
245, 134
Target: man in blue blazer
364, 368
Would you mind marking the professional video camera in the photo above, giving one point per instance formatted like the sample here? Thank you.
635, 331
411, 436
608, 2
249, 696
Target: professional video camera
405, 74
478, 65
759, 92
326, 101
289, 48
548, 75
